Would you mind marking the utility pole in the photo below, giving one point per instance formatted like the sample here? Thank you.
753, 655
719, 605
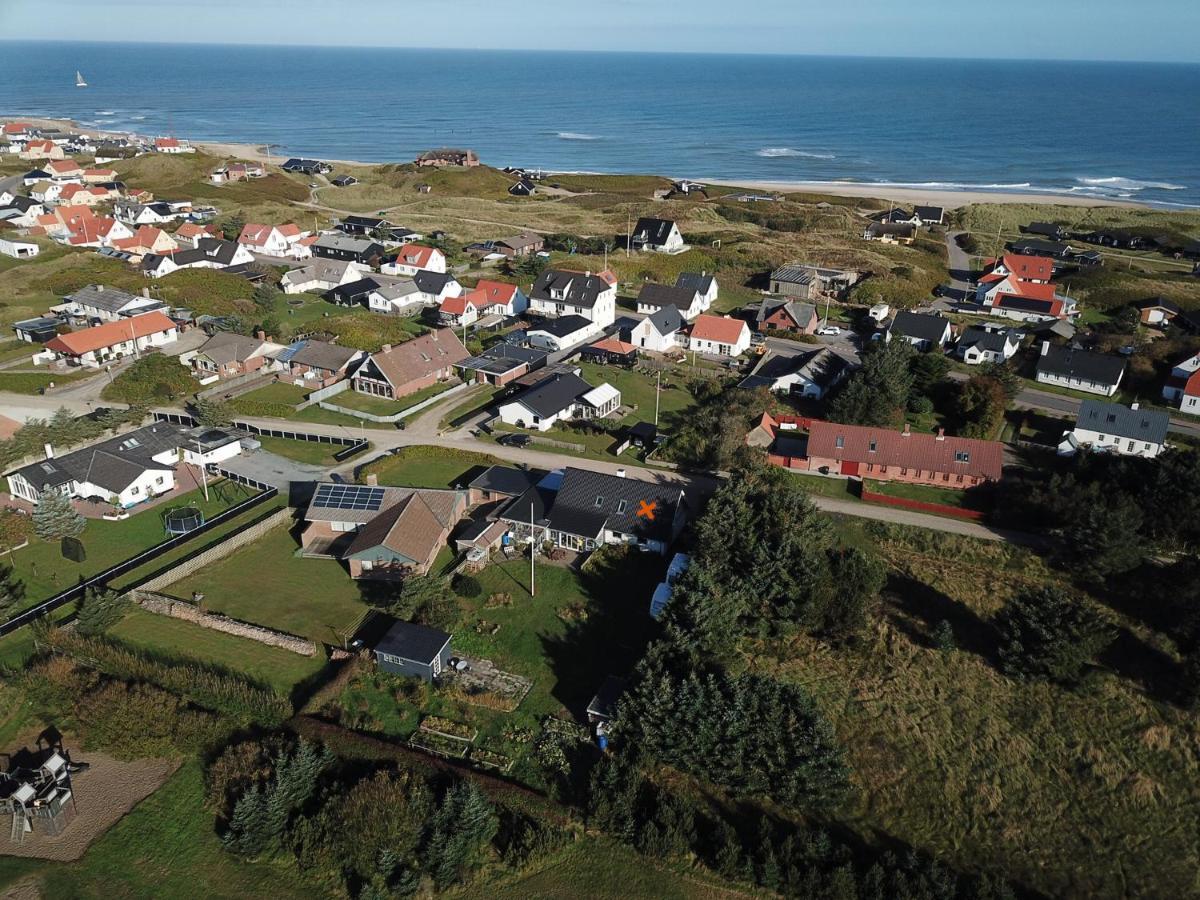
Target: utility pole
826, 322
628, 232
657, 392
203, 471
532, 552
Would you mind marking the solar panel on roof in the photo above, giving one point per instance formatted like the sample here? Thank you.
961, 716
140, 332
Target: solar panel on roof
349, 496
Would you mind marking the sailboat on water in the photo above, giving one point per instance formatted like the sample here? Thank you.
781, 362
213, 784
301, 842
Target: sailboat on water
79, 82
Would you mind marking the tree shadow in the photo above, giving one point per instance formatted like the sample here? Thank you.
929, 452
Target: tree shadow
610, 632
1131, 658
921, 608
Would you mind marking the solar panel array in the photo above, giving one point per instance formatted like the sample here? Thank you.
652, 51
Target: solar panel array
349, 496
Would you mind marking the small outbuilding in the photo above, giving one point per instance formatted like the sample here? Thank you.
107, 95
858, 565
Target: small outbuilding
407, 648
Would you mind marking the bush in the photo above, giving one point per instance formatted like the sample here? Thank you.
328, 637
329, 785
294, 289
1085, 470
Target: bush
154, 378
1046, 634
135, 721
467, 586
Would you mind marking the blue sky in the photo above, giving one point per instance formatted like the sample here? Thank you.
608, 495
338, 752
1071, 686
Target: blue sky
1160, 30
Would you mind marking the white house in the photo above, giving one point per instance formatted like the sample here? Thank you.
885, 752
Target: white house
323, 275
19, 249
559, 398
657, 235
659, 333
413, 258
106, 304
128, 469
498, 298
172, 145
434, 287
134, 213
456, 312
987, 344
1112, 428
93, 347
925, 332
704, 284
561, 333
1080, 370
559, 292
654, 297
1183, 385
275, 240
403, 298
810, 375
719, 335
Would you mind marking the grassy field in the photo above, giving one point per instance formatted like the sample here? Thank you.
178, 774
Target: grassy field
45, 571
376, 406
265, 583
176, 638
277, 392
1086, 792
165, 848
638, 390
426, 466
36, 382
603, 870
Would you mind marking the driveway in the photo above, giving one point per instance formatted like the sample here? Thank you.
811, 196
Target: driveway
959, 263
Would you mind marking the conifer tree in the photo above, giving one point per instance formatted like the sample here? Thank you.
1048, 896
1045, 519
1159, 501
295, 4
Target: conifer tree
54, 517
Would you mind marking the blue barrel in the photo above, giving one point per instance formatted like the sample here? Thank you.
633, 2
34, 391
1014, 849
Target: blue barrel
603, 741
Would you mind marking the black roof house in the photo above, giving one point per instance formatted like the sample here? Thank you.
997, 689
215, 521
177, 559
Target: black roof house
1067, 362
661, 295
651, 232
700, 282
1046, 229
407, 648
551, 396
560, 327
1145, 425
1037, 247
572, 288
588, 503
918, 326
306, 166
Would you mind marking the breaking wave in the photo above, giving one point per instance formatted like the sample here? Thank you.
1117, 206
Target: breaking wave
1128, 185
575, 136
785, 152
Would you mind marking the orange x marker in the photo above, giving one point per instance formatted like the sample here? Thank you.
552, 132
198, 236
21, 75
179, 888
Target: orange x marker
646, 510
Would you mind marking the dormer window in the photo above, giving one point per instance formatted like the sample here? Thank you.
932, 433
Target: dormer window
621, 507
962, 456
872, 447
839, 442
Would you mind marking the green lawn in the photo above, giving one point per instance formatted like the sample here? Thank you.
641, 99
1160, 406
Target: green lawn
35, 382
165, 848
579, 628
14, 349
265, 583
368, 403
45, 571
177, 638
277, 392
318, 416
311, 452
426, 466
637, 390
922, 492
475, 399
409, 400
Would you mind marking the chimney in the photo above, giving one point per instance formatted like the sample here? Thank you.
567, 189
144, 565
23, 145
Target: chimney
941, 436
385, 348
907, 430
372, 479
1045, 347
588, 273
620, 473
146, 292
260, 334
1134, 405
99, 287
49, 448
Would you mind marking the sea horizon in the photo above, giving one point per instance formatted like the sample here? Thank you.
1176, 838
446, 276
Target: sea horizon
1056, 127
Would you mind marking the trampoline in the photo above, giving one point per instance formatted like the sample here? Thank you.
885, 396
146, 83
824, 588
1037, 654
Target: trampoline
182, 519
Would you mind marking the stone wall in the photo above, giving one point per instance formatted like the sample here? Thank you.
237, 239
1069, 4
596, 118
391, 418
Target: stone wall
189, 612
220, 551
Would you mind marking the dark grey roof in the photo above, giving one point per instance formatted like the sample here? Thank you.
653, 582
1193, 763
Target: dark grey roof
1083, 364
432, 282
700, 282
503, 357
580, 288
1147, 425
792, 274
345, 244
353, 290
518, 509
652, 231
506, 480
991, 339
604, 704
226, 347
1158, 303
1049, 229
930, 213
920, 326
24, 204
554, 394
321, 355
666, 320
562, 326
822, 367
1035, 247
100, 297
667, 295
881, 229
1026, 304
417, 643
116, 463
801, 313
588, 502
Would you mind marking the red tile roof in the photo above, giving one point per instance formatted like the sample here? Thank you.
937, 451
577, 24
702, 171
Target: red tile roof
415, 255
490, 293
166, 142
255, 234
614, 345
456, 306
1037, 268
1192, 388
16, 127
721, 329
290, 230
982, 459
78, 343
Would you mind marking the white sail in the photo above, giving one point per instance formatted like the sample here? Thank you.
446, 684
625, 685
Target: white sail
79, 82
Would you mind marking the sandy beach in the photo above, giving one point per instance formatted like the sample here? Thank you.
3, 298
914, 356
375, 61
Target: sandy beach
947, 197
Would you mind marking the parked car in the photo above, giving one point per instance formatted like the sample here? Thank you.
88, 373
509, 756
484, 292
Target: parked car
515, 440
831, 330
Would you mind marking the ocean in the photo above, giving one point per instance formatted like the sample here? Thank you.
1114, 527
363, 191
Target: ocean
1107, 130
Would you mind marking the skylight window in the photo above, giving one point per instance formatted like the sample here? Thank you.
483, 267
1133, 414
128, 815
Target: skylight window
621, 507
962, 456
599, 501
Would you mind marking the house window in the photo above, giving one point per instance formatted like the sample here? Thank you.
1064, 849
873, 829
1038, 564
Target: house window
367, 565
839, 442
622, 504
159, 480
135, 491
962, 456
599, 501
872, 446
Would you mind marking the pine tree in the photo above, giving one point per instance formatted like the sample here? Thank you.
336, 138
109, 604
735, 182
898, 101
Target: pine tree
943, 637
1047, 634
249, 833
98, 610
54, 517
877, 393
12, 592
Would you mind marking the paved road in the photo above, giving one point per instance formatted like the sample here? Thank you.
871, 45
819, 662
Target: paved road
899, 516
959, 263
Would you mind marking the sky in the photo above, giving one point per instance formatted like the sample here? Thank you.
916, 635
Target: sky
1155, 30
